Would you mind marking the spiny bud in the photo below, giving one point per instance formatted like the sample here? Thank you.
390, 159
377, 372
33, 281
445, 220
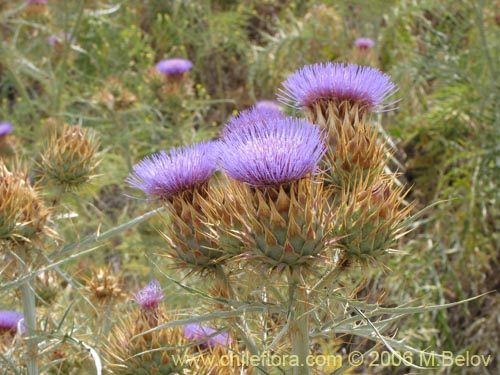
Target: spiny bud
372, 218
163, 351
69, 158
22, 213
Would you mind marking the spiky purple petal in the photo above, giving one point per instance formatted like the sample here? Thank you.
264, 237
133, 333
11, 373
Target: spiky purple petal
165, 174
365, 86
174, 66
252, 117
150, 296
200, 332
283, 151
269, 104
9, 321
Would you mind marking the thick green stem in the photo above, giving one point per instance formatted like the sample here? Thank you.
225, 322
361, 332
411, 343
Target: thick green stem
29, 311
299, 323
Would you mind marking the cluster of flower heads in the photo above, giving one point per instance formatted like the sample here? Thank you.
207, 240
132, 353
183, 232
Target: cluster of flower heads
262, 146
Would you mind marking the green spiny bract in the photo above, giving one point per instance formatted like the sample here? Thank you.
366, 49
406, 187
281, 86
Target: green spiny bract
286, 225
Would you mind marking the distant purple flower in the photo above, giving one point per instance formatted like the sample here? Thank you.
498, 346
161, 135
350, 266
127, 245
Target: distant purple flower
365, 86
38, 2
200, 332
364, 43
253, 116
9, 321
268, 104
174, 66
281, 152
5, 128
162, 175
52, 40
150, 296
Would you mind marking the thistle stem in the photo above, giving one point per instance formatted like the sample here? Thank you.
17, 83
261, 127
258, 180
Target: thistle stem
29, 312
299, 323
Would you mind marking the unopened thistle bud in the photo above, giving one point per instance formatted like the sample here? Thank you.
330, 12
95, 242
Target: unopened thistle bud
22, 212
283, 210
69, 159
180, 180
371, 219
163, 351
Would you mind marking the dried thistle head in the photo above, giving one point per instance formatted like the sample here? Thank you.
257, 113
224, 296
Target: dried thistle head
23, 215
69, 158
35, 7
115, 95
104, 287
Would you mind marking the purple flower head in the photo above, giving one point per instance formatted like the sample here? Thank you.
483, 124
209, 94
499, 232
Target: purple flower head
364, 43
150, 296
253, 116
52, 40
38, 2
5, 128
200, 332
363, 85
9, 321
281, 152
164, 174
269, 104
174, 66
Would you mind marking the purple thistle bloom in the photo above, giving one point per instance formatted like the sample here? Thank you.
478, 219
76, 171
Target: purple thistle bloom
364, 43
150, 296
9, 321
281, 152
268, 104
162, 175
5, 128
52, 40
174, 66
37, 2
363, 85
200, 332
253, 116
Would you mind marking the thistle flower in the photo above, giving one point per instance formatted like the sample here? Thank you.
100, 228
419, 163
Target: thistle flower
39, 2
364, 43
173, 67
22, 213
5, 129
268, 104
281, 152
10, 322
208, 337
68, 159
150, 296
254, 116
163, 175
55, 40
363, 86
